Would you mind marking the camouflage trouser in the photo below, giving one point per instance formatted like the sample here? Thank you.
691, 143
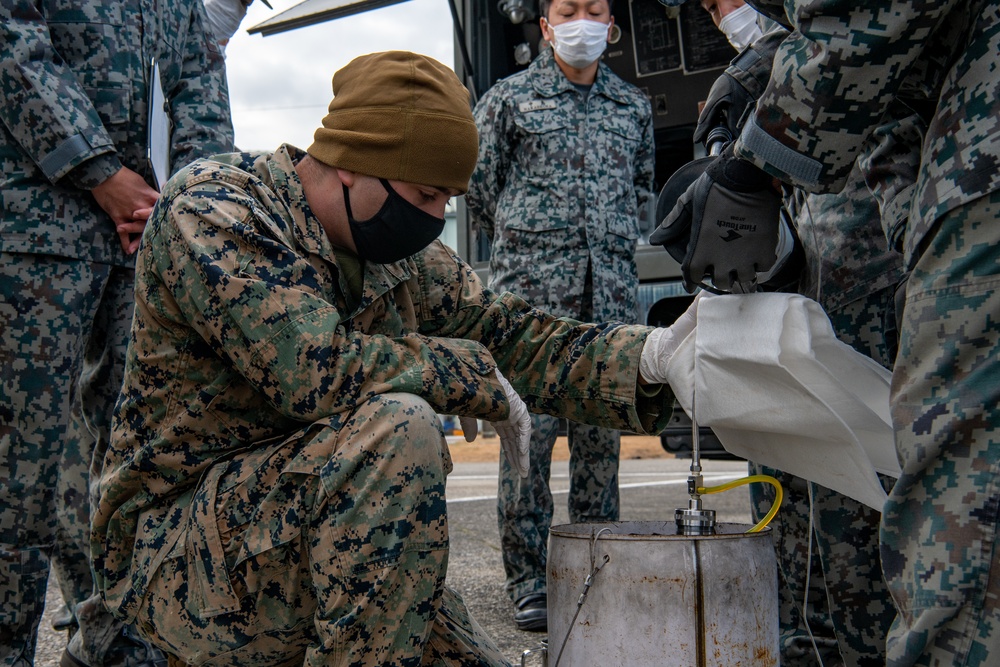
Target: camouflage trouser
71, 557
848, 606
939, 530
524, 506
53, 311
327, 548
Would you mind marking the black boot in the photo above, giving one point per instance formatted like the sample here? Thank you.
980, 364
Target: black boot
532, 613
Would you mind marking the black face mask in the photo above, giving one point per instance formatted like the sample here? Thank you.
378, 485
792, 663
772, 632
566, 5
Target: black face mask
398, 230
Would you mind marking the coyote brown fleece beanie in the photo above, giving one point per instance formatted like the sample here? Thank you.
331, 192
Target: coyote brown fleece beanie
400, 116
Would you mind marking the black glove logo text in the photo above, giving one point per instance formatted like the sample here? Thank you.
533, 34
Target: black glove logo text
734, 226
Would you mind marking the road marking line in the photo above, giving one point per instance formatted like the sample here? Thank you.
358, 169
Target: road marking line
668, 482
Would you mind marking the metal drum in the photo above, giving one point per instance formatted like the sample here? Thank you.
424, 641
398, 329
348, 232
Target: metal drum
655, 597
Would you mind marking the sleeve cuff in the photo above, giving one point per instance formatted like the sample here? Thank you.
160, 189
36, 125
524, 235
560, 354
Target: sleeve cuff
94, 171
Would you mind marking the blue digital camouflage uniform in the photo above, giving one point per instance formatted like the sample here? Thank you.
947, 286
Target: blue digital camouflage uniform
274, 490
853, 273
833, 80
74, 77
561, 188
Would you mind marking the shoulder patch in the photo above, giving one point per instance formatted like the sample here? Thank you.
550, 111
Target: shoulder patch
537, 105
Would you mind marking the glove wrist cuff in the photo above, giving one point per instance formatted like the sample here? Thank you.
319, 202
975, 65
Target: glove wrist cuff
737, 174
649, 368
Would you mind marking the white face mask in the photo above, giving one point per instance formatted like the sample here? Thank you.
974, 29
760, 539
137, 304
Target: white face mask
224, 17
579, 43
741, 27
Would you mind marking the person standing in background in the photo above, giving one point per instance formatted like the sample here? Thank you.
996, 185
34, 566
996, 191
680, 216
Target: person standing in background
850, 269
823, 104
561, 187
70, 561
76, 189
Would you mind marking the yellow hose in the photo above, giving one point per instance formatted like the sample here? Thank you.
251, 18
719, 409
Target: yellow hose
778, 495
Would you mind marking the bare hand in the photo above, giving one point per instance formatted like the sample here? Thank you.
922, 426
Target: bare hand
128, 200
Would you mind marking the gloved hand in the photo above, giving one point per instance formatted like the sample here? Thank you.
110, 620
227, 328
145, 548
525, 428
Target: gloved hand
662, 342
724, 109
224, 17
514, 432
731, 213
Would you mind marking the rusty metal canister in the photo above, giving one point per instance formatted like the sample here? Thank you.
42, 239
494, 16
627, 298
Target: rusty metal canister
655, 597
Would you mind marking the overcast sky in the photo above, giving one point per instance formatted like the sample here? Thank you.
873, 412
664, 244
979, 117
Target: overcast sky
279, 86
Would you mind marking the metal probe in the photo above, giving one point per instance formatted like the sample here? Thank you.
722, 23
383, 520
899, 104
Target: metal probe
695, 520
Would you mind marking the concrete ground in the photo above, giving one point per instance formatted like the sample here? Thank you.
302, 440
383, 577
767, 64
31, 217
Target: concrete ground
652, 483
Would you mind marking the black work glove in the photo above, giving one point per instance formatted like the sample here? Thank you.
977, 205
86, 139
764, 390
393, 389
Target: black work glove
731, 216
721, 118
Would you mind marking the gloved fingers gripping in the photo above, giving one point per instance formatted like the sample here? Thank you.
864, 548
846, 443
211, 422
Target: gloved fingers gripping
733, 236
515, 438
674, 234
662, 343
515, 431
688, 320
522, 442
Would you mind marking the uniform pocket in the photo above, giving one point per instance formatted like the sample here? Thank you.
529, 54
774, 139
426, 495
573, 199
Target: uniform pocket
624, 126
616, 140
113, 105
534, 198
211, 591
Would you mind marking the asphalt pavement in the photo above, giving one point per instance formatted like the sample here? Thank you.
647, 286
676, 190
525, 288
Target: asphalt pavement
651, 489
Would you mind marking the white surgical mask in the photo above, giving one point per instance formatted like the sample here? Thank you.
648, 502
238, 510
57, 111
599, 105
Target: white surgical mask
579, 43
224, 17
741, 27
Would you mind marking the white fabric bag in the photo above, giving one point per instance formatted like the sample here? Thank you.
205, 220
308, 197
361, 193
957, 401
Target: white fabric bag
766, 372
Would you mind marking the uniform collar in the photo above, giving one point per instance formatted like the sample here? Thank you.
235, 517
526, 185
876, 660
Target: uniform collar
287, 185
377, 278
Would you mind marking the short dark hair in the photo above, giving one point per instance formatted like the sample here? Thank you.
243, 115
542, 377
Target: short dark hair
544, 5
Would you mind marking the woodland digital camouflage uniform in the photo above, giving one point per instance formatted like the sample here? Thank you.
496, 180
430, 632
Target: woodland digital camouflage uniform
74, 77
833, 80
274, 492
561, 189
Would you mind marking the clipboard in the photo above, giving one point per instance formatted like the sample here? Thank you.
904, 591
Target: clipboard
158, 130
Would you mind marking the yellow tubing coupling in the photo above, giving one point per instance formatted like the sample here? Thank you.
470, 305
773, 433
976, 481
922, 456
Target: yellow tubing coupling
767, 479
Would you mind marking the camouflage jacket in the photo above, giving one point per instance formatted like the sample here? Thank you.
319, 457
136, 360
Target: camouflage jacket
838, 71
74, 77
845, 235
562, 186
242, 337
847, 257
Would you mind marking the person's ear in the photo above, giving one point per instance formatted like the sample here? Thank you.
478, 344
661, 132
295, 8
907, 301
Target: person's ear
546, 30
346, 177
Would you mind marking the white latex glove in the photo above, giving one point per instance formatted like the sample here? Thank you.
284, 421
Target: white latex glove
514, 432
224, 17
663, 342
